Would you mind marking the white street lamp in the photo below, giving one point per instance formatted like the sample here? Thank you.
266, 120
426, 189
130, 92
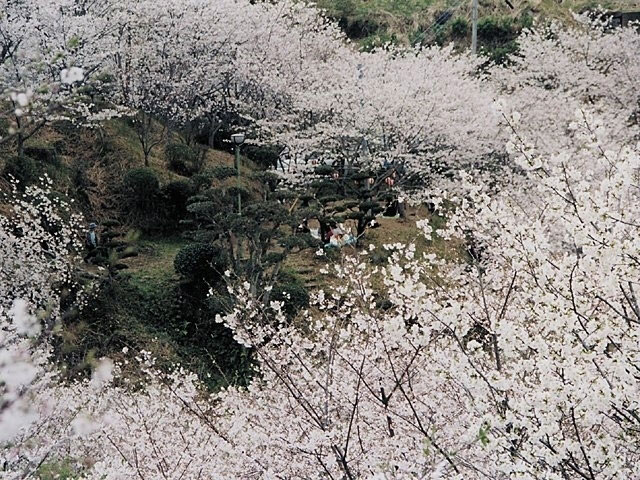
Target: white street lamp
237, 138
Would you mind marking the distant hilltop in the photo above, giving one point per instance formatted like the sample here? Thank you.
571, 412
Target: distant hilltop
372, 23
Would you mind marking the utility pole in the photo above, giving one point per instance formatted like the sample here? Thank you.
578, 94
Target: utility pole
474, 27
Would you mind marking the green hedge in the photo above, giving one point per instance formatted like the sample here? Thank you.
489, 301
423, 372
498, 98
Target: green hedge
200, 261
141, 183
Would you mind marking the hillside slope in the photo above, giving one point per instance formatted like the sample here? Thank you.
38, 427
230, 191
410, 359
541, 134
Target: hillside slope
142, 302
374, 22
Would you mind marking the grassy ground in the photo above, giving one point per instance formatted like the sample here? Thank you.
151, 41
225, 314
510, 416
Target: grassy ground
306, 264
154, 264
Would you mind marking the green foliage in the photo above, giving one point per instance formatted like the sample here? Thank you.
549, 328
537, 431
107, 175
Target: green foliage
239, 189
272, 258
74, 42
150, 311
182, 159
300, 241
24, 169
379, 256
379, 40
42, 152
141, 184
178, 192
501, 54
483, 436
372, 23
201, 197
221, 172
60, 470
417, 36
498, 36
384, 304
284, 195
339, 208
176, 195
329, 198
324, 170
460, 27
441, 34
202, 208
526, 21
370, 205
290, 290
141, 191
496, 30
200, 261
4, 123
110, 223
269, 179
200, 181
265, 156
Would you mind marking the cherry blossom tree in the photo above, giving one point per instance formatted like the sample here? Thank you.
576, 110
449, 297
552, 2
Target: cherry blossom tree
39, 237
517, 362
51, 65
517, 358
417, 107
589, 67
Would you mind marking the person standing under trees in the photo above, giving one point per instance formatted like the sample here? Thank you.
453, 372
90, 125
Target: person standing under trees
401, 208
91, 242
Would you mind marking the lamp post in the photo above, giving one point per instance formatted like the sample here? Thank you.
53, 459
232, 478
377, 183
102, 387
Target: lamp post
238, 139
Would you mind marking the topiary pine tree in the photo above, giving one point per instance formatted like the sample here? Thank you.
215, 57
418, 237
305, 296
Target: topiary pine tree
358, 194
258, 239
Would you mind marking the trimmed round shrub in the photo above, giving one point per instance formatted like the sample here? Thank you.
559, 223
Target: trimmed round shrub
200, 261
141, 184
235, 190
359, 176
200, 181
179, 166
221, 172
369, 205
178, 192
268, 179
264, 155
284, 194
339, 208
324, 170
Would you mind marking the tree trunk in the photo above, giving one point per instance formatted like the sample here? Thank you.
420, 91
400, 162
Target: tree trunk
20, 141
213, 129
